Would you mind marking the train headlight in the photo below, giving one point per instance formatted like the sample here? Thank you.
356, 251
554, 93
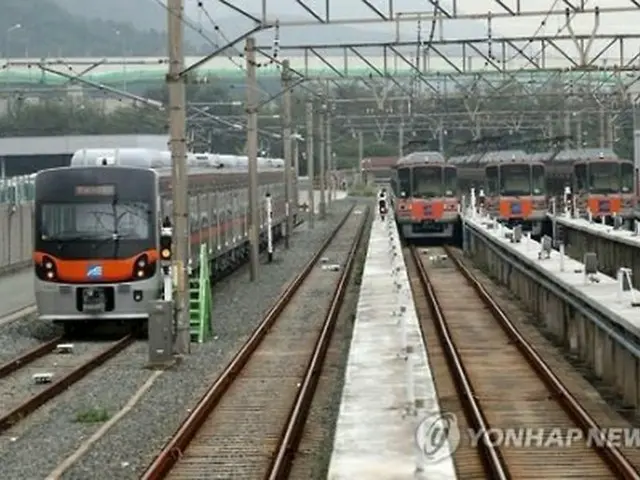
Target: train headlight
46, 269
143, 268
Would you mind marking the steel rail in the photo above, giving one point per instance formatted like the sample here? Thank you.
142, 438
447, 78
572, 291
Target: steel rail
29, 356
292, 434
491, 456
62, 384
172, 451
609, 453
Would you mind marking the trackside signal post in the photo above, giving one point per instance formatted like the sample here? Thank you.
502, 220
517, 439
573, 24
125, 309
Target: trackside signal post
269, 209
161, 313
179, 180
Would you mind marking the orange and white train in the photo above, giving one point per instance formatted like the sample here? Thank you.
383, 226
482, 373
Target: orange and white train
98, 224
425, 196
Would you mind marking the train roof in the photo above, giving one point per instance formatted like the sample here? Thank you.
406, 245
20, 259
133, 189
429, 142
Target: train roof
421, 158
161, 160
585, 154
499, 156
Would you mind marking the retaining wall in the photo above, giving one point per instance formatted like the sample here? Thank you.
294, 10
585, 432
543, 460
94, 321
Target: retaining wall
584, 328
16, 226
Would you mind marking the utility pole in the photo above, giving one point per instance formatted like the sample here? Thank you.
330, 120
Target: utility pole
252, 153
330, 166
360, 155
296, 171
179, 174
321, 159
400, 139
310, 172
286, 139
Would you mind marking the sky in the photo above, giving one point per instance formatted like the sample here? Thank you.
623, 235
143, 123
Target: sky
610, 22
627, 22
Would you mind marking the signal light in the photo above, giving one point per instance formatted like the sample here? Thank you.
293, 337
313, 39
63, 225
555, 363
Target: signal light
165, 246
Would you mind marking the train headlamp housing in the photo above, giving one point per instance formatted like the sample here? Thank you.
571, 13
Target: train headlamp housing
143, 268
46, 270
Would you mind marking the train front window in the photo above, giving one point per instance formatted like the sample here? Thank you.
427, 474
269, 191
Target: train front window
604, 177
491, 180
538, 181
98, 221
450, 181
515, 180
626, 177
404, 182
580, 177
427, 182
95, 230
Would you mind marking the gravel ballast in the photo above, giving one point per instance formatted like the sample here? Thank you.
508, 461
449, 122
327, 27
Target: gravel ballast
23, 335
32, 449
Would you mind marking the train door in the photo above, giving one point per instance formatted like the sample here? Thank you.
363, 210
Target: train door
226, 227
218, 223
235, 216
244, 211
492, 189
580, 185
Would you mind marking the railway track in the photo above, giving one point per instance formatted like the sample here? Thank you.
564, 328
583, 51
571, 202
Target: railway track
21, 394
250, 421
492, 379
17, 314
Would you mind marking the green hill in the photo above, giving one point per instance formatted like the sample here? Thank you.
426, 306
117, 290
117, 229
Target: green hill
50, 31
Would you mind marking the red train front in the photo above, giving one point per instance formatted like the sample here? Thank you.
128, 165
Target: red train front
515, 190
425, 196
604, 186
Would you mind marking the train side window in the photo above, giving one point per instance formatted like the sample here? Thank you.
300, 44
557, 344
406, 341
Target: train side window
538, 179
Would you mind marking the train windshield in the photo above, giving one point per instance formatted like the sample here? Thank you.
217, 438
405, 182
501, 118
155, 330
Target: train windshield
515, 179
492, 180
427, 182
604, 177
450, 181
89, 213
538, 181
404, 182
95, 221
626, 177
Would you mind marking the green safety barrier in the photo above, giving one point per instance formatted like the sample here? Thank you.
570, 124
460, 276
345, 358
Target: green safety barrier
200, 300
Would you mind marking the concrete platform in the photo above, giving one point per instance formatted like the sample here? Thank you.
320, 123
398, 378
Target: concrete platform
596, 228
16, 291
377, 424
603, 293
614, 248
592, 319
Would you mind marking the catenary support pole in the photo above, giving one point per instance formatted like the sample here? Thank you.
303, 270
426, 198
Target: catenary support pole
310, 170
330, 166
179, 180
322, 211
252, 153
286, 141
